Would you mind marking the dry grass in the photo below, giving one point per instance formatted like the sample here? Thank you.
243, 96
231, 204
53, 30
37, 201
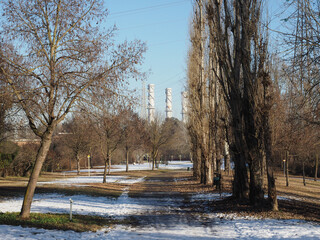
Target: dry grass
309, 193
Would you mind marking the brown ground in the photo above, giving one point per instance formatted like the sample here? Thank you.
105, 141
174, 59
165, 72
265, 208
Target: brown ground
304, 202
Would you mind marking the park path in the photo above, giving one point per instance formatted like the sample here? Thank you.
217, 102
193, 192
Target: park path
172, 211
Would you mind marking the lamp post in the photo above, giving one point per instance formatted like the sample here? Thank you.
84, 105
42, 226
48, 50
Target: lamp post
284, 168
89, 165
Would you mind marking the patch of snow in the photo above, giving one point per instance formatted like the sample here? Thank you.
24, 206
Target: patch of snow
159, 218
209, 196
219, 229
82, 204
95, 179
137, 167
18, 232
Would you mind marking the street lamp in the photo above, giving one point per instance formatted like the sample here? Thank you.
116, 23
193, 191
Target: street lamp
284, 168
89, 165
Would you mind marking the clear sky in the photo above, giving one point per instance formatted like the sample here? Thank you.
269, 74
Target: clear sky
164, 26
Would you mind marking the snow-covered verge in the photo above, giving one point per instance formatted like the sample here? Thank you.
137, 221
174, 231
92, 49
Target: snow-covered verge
225, 229
87, 205
157, 217
115, 179
219, 229
94, 179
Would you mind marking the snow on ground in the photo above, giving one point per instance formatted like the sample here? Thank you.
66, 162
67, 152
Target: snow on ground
85, 205
218, 229
209, 196
117, 168
157, 217
143, 166
225, 229
95, 179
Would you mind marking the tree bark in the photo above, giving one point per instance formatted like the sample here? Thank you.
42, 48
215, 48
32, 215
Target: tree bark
40, 158
105, 171
287, 168
197, 163
78, 164
127, 159
272, 191
227, 158
109, 164
303, 173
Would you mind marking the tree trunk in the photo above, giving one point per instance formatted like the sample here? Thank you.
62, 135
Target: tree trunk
197, 163
303, 174
209, 175
40, 158
240, 181
109, 164
202, 169
272, 191
287, 168
227, 166
153, 163
153, 160
105, 170
70, 163
127, 159
256, 188
78, 164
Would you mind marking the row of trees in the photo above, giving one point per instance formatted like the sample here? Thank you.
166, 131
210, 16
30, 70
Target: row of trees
264, 107
230, 95
115, 138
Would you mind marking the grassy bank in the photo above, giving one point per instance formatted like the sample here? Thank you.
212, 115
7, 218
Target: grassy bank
79, 223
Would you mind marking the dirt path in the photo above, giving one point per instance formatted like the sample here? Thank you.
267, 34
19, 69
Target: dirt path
172, 193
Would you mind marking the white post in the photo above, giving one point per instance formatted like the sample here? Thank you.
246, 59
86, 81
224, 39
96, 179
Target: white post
70, 209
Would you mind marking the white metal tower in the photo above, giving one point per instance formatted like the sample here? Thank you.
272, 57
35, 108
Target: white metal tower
151, 108
168, 103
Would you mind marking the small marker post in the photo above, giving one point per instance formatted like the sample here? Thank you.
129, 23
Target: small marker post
71, 201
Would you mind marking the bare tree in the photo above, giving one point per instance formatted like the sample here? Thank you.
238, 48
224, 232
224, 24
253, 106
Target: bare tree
55, 55
107, 123
77, 138
303, 46
200, 119
134, 133
158, 135
242, 56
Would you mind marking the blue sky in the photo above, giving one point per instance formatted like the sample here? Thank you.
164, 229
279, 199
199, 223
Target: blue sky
164, 26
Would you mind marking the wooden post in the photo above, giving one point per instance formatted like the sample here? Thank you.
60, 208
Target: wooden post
316, 167
287, 168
